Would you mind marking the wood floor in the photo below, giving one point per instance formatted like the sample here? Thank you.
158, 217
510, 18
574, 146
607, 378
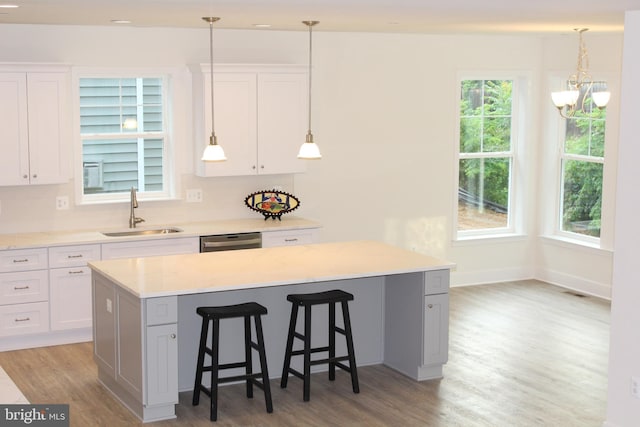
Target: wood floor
521, 354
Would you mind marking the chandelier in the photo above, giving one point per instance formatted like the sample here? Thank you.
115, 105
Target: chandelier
581, 90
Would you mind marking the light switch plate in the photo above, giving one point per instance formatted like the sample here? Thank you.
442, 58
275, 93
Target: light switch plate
194, 195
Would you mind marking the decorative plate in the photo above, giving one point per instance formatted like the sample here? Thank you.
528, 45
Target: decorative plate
272, 203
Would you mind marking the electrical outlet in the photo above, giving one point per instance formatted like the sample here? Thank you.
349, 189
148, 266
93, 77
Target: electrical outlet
635, 387
194, 196
62, 202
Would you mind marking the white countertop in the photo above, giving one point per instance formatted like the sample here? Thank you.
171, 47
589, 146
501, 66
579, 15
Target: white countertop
253, 268
76, 237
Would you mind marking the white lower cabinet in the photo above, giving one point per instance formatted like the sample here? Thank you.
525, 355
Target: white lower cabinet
70, 285
24, 287
20, 319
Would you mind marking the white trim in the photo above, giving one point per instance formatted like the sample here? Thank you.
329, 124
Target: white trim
491, 276
167, 75
575, 283
522, 93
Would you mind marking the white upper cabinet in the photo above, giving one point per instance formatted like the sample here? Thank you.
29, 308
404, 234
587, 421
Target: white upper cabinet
260, 118
34, 129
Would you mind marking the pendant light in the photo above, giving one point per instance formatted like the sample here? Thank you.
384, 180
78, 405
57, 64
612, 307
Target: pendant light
309, 150
213, 152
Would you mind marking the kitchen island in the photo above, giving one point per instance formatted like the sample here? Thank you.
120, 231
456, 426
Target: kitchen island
144, 307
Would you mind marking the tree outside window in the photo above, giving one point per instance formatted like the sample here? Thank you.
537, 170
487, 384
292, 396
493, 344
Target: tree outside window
582, 161
485, 155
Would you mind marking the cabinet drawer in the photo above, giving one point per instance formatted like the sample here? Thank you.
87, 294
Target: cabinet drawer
23, 259
161, 310
73, 256
437, 282
289, 238
22, 319
24, 286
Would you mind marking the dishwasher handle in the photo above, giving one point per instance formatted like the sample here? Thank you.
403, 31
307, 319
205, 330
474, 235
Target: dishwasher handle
231, 243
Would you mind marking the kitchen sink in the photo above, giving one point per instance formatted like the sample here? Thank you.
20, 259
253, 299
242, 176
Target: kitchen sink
143, 232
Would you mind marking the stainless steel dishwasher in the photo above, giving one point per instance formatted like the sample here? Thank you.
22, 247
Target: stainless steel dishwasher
230, 242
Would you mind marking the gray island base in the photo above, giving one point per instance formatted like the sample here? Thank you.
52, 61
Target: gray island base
144, 307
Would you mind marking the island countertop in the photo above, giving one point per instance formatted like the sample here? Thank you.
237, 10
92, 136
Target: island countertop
252, 268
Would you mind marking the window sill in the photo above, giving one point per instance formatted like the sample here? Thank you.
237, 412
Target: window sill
570, 243
489, 238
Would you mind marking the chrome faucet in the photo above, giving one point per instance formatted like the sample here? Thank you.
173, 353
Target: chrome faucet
133, 220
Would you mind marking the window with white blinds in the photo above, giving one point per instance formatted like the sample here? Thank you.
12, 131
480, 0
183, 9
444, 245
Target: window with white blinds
123, 134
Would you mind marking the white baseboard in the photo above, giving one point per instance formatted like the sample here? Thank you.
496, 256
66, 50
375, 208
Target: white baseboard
579, 284
489, 276
575, 283
46, 339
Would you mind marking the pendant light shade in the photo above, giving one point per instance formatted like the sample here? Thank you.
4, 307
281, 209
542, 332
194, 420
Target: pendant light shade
213, 152
309, 150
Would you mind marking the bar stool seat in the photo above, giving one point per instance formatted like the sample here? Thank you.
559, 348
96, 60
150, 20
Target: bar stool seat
259, 379
331, 298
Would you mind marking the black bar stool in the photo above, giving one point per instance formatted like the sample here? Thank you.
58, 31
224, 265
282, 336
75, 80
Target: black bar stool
307, 301
246, 310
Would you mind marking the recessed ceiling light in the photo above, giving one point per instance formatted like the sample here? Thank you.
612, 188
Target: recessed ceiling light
9, 6
262, 25
120, 21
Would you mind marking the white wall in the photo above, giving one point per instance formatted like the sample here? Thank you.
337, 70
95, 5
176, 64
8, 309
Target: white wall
623, 409
384, 110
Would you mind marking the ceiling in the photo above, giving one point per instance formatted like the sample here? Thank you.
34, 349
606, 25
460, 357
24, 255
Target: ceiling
399, 16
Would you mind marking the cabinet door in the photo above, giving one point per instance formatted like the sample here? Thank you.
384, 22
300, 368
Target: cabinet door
235, 123
48, 129
70, 298
162, 364
14, 131
282, 122
436, 329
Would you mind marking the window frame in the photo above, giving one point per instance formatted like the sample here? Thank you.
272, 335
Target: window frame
520, 94
561, 158
168, 167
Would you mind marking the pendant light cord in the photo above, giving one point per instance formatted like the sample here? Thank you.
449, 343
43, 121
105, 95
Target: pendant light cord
310, 67
213, 134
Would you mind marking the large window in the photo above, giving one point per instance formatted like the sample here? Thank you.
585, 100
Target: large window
486, 156
123, 134
582, 160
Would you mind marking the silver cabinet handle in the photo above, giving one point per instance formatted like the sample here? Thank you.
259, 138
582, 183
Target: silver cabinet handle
74, 256
430, 305
76, 272
173, 336
20, 288
24, 319
15, 261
